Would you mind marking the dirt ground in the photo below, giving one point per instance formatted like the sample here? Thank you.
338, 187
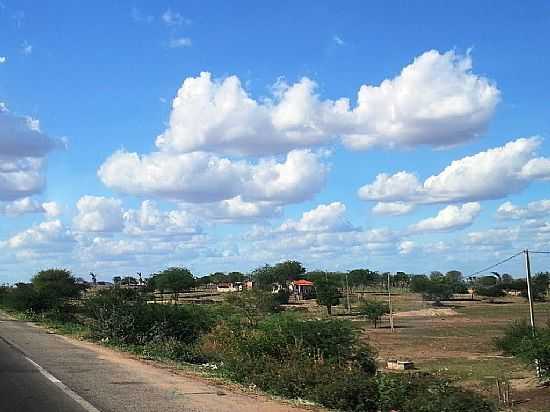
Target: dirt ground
457, 342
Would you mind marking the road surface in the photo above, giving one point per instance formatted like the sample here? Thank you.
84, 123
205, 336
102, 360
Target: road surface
24, 388
42, 371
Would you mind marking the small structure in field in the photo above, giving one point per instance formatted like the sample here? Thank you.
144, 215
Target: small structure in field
398, 365
230, 287
301, 288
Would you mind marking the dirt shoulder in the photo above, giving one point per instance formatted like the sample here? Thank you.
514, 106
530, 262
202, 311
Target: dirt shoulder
117, 381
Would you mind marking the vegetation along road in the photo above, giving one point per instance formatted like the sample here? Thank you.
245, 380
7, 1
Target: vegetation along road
100, 379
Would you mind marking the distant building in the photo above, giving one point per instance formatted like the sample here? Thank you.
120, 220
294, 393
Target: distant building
230, 287
301, 288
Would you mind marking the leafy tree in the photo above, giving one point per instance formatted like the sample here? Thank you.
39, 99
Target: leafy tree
435, 274
374, 310
486, 281
129, 280
454, 276
174, 279
117, 280
288, 271
253, 304
264, 277
234, 277
436, 288
327, 293
533, 349
55, 285
507, 279
490, 292
363, 277
401, 279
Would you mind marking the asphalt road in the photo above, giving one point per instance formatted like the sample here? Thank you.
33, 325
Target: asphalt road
24, 389
103, 380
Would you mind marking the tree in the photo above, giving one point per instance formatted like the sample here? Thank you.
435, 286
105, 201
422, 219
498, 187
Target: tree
363, 277
253, 304
264, 277
435, 274
490, 292
327, 293
436, 288
454, 276
374, 310
117, 280
174, 279
129, 280
55, 285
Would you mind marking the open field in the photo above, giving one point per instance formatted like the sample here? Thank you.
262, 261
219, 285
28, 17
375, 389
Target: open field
457, 342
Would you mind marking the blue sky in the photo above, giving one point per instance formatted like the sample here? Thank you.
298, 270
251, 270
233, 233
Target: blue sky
278, 152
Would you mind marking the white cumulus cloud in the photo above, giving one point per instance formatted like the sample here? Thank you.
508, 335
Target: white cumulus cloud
435, 101
51, 235
392, 208
23, 149
150, 220
204, 177
98, 214
491, 174
450, 218
324, 218
539, 208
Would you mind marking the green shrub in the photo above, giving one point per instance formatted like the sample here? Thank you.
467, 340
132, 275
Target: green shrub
374, 310
424, 393
122, 316
518, 340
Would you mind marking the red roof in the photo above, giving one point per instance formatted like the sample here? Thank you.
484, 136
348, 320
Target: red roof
303, 282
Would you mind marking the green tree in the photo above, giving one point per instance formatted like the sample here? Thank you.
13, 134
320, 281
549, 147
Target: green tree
175, 280
436, 288
253, 304
55, 285
327, 293
117, 280
454, 276
374, 310
288, 271
490, 292
129, 280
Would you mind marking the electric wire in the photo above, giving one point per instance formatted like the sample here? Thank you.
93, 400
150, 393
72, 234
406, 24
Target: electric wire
496, 264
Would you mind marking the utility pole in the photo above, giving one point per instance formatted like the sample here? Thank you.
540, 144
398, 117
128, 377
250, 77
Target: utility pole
529, 291
531, 309
389, 303
347, 293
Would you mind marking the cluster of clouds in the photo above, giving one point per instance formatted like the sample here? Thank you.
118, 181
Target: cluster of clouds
454, 106
23, 152
491, 174
226, 157
246, 158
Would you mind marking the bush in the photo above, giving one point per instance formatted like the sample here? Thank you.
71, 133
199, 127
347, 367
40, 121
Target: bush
518, 340
294, 357
121, 315
374, 311
252, 305
424, 393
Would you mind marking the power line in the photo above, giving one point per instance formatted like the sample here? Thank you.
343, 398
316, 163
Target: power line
540, 252
496, 264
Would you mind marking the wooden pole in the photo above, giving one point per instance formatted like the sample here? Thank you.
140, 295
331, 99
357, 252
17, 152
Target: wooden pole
531, 308
389, 303
347, 293
530, 291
